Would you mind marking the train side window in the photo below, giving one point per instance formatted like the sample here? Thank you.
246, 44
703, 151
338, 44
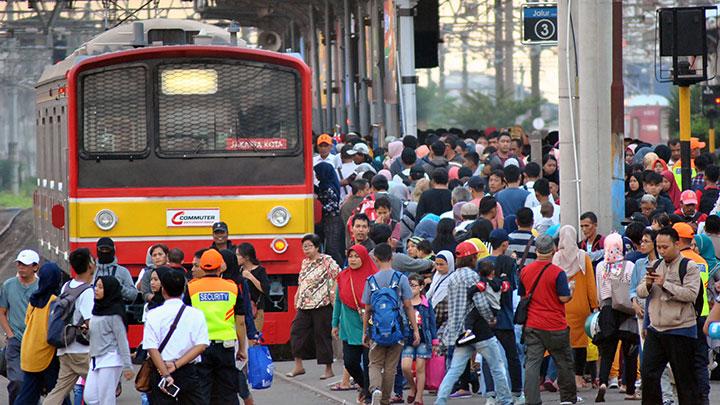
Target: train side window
114, 119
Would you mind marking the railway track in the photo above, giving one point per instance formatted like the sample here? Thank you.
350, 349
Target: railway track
16, 233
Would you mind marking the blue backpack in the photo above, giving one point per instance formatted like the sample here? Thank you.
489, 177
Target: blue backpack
387, 328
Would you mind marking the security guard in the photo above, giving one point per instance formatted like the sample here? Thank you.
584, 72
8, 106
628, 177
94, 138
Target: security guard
220, 302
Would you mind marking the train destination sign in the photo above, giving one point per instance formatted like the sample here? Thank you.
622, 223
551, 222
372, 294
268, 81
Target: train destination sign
539, 23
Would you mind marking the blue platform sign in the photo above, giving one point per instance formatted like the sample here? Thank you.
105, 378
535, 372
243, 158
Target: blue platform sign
540, 23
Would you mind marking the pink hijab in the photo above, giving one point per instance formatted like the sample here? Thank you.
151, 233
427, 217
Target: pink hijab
386, 173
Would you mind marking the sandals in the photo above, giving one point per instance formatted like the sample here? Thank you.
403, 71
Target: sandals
338, 387
292, 374
601, 393
634, 397
325, 376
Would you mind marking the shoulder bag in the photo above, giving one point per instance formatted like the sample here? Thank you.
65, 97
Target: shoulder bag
521, 264
521, 313
144, 375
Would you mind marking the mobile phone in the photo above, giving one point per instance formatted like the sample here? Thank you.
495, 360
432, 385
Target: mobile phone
172, 390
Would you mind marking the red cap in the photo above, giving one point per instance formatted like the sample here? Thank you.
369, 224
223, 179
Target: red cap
688, 197
466, 249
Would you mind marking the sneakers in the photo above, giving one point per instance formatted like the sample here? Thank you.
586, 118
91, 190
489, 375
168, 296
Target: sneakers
613, 383
376, 397
490, 401
519, 399
461, 394
578, 400
466, 337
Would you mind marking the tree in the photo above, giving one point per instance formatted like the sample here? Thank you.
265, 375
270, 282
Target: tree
433, 108
478, 110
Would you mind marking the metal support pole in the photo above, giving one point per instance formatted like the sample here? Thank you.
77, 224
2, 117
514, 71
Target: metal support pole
536, 147
535, 52
315, 60
329, 121
508, 79
364, 118
341, 103
408, 79
567, 110
497, 14
378, 64
684, 96
349, 77
617, 118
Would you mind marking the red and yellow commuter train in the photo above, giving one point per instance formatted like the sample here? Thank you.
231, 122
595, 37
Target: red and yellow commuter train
152, 131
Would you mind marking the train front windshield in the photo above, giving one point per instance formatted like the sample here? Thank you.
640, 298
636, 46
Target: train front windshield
190, 123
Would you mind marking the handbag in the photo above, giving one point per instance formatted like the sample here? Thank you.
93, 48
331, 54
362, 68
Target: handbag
620, 292
434, 372
521, 313
260, 367
144, 375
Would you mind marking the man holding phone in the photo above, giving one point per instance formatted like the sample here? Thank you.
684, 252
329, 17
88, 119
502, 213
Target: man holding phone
177, 364
672, 326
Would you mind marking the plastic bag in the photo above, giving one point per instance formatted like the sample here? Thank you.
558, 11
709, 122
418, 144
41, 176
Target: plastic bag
434, 372
260, 367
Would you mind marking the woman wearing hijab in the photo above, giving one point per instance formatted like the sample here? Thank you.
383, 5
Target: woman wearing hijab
671, 188
109, 350
438, 291
634, 186
579, 270
328, 193
615, 325
347, 324
37, 357
707, 251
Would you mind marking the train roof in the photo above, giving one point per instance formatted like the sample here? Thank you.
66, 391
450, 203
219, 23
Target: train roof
122, 38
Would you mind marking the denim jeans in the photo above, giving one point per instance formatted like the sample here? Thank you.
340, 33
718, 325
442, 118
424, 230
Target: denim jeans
507, 341
489, 349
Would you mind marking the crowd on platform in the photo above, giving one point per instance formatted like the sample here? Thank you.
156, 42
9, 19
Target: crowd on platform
473, 227
438, 264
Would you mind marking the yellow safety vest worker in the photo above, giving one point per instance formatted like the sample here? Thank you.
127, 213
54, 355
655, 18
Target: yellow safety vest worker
677, 172
703, 269
216, 298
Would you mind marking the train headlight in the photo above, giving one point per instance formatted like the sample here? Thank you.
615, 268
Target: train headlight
106, 219
279, 216
279, 245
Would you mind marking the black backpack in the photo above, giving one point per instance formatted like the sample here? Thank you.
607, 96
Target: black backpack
61, 330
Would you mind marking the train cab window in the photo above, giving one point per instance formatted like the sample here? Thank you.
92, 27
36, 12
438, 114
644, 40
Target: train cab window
114, 117
227, 108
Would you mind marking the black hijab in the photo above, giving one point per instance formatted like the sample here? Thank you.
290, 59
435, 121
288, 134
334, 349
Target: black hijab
233, 268
112, 301
49, 279
157, 298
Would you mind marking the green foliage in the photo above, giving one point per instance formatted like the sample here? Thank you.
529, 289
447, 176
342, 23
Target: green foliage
10, 200
698, 122
471, 110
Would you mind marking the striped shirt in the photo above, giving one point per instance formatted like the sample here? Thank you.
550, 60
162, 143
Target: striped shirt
518, 241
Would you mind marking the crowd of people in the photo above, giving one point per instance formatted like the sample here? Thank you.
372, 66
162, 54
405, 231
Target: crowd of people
437, 252
69, 337
464, 229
